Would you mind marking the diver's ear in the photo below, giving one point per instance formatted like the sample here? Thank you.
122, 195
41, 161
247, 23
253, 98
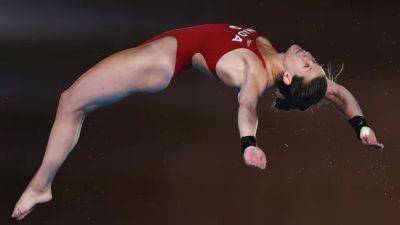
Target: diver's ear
287, 78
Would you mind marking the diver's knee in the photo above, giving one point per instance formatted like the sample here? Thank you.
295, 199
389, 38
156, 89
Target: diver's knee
67, 103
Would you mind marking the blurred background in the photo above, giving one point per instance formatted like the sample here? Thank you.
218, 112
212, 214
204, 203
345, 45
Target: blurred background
174, 157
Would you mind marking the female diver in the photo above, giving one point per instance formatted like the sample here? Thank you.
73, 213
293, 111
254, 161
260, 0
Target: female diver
238, 57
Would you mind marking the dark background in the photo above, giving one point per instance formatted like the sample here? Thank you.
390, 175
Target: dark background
174, 157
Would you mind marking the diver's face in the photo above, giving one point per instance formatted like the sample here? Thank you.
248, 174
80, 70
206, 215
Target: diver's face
298, 61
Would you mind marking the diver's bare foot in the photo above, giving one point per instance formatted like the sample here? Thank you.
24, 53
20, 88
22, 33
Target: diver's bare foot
28, 200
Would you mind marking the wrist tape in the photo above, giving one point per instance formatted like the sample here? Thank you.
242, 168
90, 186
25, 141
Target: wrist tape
357, 123
247, 141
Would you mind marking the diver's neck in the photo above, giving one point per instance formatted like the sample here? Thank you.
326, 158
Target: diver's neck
274, 65
272, 58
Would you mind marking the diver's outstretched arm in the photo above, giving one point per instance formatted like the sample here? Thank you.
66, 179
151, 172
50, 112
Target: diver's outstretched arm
248, 121
343, 100
346, 103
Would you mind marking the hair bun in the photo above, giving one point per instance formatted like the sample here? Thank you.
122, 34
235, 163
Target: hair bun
299, 94
283, 104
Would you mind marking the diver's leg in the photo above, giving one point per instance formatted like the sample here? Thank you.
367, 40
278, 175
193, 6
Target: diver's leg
142, 69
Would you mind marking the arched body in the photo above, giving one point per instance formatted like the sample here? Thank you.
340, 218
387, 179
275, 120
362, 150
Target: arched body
239, 57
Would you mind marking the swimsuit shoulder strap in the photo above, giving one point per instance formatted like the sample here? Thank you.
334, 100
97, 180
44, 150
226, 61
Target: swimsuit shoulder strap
255, 49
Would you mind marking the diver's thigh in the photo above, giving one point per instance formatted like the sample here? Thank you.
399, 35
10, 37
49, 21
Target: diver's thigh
141, 69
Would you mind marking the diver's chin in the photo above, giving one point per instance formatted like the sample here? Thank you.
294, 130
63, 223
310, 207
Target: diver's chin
294, 48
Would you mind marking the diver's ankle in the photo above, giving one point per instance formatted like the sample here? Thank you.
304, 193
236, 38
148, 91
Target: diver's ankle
39, 188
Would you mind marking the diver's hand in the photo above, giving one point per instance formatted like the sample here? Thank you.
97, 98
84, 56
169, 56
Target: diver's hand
255, 157
368, 139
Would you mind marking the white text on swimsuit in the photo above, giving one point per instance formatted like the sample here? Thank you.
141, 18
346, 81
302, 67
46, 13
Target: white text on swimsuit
242, 33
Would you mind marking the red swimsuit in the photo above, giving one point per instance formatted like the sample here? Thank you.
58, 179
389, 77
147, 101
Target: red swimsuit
210, 40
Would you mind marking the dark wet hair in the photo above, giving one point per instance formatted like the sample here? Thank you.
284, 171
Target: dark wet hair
299, 94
